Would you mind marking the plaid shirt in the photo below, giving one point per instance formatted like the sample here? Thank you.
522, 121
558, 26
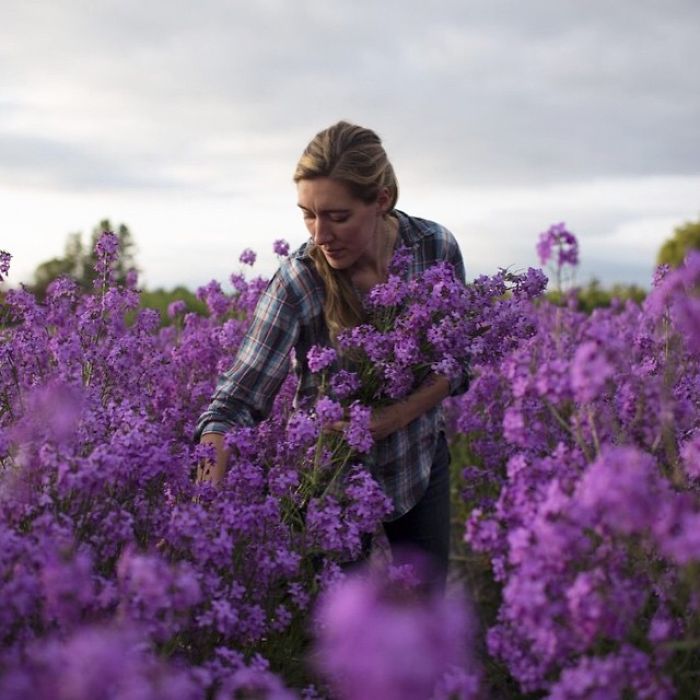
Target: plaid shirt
289, 316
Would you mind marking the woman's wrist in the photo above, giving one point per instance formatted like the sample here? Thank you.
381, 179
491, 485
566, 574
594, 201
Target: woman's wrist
428, 395
213, 470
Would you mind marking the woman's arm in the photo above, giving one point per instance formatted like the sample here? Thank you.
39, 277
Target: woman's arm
388, 419
244, 394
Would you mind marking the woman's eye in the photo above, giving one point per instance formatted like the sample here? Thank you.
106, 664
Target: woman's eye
335, 218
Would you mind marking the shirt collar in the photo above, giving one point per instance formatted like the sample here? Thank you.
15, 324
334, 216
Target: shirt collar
410, 230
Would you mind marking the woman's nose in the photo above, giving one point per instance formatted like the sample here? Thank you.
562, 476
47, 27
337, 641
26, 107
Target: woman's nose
321, 233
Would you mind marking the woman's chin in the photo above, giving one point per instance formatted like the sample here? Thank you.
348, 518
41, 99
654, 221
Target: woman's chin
337, 262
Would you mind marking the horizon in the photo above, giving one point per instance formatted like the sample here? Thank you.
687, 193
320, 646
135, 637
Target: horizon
267, 262
500, 120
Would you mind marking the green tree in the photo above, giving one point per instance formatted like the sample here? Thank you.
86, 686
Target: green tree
685, 238
159, 299
595, 296
78, 261
70, 264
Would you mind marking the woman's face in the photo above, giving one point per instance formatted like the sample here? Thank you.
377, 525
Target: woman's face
343, 227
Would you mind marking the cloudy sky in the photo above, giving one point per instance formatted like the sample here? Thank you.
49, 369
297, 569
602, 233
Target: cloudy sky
185, 119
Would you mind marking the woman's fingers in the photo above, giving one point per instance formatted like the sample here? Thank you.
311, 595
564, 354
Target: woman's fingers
385, 421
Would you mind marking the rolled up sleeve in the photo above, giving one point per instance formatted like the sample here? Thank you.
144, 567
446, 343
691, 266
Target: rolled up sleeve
245, 393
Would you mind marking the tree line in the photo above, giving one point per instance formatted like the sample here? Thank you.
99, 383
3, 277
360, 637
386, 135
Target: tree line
78, 262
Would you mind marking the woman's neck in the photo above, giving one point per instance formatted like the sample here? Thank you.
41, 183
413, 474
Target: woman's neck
373, 268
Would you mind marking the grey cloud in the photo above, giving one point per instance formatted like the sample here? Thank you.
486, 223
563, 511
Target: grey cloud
498, 92
40, 161
616, 270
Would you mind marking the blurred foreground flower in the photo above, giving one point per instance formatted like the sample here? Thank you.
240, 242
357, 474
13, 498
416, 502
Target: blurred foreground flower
96, 664
379, 635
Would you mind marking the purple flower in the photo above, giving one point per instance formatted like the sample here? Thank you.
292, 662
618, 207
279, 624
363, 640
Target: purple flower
176, 308
557, 237
590, 371
390, 293
156, 594
374, 642
213, 296
324, 525
107, 246
514, 426
678, 531
320, 358
678, 293
248, 257
5, 258
663, 626
401, 260
533, 284
281, 247
544, 247
621, 489
406, 350
368, 505
95, 663
357, 433
302, 429
131, 279
254, 682
448, 367
53, 412
690, 453
457, 683
106, 253
399, 381
630, 672
344, 384
660, 272
329, 411
69, 588
374, 343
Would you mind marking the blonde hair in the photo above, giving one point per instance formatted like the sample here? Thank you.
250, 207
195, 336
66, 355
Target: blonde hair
354, 156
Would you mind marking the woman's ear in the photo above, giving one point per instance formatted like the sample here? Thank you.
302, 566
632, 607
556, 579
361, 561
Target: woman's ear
383, 199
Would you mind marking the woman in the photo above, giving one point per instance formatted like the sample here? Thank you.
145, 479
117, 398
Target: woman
347, 192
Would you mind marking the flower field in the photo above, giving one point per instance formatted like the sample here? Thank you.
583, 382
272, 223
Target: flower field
576, 508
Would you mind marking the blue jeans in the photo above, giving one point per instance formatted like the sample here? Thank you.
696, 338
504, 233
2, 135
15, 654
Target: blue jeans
426, 527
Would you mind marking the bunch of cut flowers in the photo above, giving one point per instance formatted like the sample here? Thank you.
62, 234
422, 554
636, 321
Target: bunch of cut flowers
413, 328
432, 323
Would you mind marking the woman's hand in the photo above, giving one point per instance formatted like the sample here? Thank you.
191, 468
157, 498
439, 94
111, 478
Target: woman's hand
387, 420
209, 470
384, 421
